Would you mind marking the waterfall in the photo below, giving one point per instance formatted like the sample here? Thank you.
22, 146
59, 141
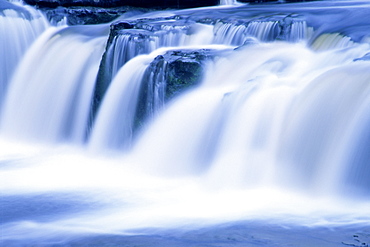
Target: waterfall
115, 121
239, 34
133, 100
242, 119
19, 27
53, 97
228, 2
179, 120
123, 48
129, 43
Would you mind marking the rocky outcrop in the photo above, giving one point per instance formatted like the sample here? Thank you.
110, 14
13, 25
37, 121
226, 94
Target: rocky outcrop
168, 76
87, 15
129, 39
160, 4
122, 46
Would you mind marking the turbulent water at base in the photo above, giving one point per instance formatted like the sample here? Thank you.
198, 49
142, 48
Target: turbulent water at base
276, 127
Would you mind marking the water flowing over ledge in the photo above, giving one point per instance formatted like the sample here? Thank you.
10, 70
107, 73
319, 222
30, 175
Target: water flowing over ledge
186, 119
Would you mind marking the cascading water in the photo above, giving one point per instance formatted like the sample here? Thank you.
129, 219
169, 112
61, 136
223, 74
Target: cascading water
114, 124
46, 108
228, 2
127, 44
288, 28
200, 118
143, 38
19, 27
133, 100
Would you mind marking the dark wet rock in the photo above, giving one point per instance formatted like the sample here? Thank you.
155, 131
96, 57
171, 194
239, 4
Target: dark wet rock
285, 28
161, 4
297, 1
86, 15
168, 76
151, 24
121, 47
129, 39
274, 1
139, 33
257, 1
182, 69
207, 20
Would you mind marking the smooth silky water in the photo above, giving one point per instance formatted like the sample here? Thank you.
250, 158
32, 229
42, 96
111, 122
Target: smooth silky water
270, 149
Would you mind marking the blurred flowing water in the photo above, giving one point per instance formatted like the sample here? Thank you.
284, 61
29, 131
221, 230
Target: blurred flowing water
277, 130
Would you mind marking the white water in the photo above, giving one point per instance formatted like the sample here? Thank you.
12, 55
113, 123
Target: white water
236, 34
17, 30
114, 124
228, 2
52, 96
133, 43
275, 131
251, 124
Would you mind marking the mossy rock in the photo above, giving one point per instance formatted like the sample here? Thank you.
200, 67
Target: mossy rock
168, 76
183, 73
